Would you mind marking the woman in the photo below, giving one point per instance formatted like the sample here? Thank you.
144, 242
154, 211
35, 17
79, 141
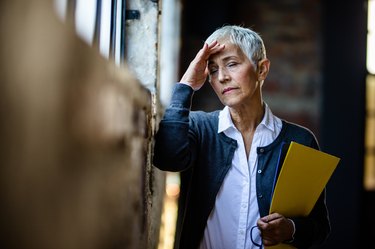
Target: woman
228, 158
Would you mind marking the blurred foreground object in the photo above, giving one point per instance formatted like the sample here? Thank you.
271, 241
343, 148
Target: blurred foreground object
76, 134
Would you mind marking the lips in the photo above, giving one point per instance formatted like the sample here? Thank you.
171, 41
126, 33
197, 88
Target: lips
228, 89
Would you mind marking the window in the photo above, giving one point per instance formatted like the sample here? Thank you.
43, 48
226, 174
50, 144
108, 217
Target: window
97, 22
369, 172
122, 30
85, 16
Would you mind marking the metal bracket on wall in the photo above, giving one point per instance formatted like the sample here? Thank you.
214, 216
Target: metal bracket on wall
132, 15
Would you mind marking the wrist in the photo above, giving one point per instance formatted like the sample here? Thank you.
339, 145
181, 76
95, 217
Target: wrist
187, 84
294, 231
190, 85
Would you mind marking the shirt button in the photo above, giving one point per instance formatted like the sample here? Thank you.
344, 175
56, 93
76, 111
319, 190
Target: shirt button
259, 171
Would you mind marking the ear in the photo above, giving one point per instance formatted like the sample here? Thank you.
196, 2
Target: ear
263, 69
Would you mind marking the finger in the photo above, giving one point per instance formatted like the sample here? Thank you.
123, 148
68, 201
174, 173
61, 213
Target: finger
210, 49
212, 44
271, 217
203, 53
215, 45
264, 219
263, 222
262, 226
217, 48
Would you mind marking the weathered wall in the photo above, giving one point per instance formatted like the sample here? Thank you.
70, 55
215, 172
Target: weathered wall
76, 137
142, 41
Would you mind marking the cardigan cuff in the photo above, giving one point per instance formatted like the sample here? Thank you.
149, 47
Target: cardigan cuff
182, 96
294, 232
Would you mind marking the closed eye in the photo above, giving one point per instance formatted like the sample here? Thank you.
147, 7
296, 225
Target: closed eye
212, 71
232, 64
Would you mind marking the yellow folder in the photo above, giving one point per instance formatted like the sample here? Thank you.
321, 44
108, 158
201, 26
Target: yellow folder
303, 176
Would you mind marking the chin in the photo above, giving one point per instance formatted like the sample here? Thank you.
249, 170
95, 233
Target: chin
231, 102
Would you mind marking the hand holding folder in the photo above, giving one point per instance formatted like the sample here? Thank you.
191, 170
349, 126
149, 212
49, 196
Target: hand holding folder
303, 176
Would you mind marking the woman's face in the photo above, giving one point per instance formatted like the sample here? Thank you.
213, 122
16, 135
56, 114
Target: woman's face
233, 77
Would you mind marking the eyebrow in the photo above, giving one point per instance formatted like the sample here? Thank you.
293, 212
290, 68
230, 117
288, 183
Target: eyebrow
227, 58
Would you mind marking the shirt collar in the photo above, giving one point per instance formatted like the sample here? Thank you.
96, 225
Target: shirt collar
225, 120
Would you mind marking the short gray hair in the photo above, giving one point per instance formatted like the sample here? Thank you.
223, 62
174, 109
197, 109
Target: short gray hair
246, 39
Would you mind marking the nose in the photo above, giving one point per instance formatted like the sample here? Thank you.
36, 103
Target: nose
223, 75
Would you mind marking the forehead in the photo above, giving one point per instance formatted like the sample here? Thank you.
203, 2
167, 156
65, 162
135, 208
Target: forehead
229, 52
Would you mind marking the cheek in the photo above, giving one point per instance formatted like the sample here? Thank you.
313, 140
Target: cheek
250, 80
214, 86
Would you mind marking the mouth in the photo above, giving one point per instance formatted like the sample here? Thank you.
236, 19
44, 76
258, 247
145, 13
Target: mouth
228, 89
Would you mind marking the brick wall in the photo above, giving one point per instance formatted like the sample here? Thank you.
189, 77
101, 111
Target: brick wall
292, 34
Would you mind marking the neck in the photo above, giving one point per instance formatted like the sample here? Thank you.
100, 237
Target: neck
247, 119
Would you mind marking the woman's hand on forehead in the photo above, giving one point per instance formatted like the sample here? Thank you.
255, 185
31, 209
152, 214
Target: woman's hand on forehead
197, 72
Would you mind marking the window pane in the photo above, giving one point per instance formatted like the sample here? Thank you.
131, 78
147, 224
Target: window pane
60, 7
370, 133
370, 94
369, 172
85, 17
118, 32
105, 28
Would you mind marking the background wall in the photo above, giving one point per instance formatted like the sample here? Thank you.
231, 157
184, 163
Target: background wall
291, 31
317, 79
342, 124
